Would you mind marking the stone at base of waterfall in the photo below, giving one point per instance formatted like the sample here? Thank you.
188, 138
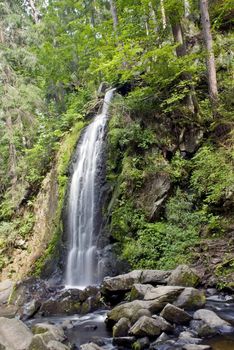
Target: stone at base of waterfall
90, 346
121, 328
183, 276
202, 329
196, 347
165, 293
14, 335
129, 310
190, 299
6, 288
141, 343
30, 309
187, 337
174, 314
138, 291
126, 281
55, 332
8, 311
46, 341
148, 326
212, 320
124, 342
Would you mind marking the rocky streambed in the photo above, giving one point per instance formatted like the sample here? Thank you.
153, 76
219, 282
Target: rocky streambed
143, 309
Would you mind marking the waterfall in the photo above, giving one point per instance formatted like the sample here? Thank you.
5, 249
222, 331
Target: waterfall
83, 203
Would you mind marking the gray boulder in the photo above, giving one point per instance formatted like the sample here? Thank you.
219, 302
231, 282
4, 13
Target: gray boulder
125, 282
56, 345
175, 315
165, 293
145, 326
90, 346
183, 276
129, 310
121, 328
38, 343
212, 320
196, 347
56, 332
202, 329
191, 298
6, 288
138, 291
14, 335
139, 314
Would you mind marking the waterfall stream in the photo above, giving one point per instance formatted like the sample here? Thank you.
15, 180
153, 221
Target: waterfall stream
83, 203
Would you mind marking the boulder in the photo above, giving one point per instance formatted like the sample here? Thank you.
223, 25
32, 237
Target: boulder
138, 291
44, 328
56, 345
202, 329
14, 335
123, 342
8, 311
175, 315
147, 326
29, 309
6, 288
121, 328
183, 276
163, 324
129, 310
212, 320
190, 299
139, 314
90, 346
196, 347
166, 293
142, 343
125, 282
38, 343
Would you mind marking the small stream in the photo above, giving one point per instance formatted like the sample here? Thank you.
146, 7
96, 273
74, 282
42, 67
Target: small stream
91, 327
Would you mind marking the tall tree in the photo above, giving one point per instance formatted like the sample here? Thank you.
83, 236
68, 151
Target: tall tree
114, 14
210, 60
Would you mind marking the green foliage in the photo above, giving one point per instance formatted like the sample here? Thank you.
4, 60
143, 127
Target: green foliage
213, 175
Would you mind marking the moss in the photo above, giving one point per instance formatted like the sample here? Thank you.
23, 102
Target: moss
63, 159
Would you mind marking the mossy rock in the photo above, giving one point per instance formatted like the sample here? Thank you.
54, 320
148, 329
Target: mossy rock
184, 276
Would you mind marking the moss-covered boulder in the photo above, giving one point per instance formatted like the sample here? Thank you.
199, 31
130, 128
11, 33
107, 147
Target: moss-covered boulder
191, 298
183, 275
121, 328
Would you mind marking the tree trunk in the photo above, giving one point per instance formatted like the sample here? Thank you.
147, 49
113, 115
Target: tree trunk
35, 12
114, 14
164, 21
210, 60
181, 51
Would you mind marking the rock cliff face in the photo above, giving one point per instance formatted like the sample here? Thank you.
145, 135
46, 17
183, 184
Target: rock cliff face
45, 209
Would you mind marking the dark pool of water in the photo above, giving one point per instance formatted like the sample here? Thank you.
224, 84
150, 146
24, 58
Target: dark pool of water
225, 342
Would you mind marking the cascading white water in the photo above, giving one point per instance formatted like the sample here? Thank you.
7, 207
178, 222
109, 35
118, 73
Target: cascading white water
82, 263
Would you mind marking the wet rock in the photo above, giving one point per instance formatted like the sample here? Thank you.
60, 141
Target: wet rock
163, 324
125, 282
38, 343
130, 309
55, 345
196, 347
57, 307
138, 291
121, 328
30, 309
14, 335
190, 299
139, 314
183, 276
27, 290
6, 288
202, 329
174, 314
146, 326
212, 320
166, 293
125, 342
160, 340
8, 311
44, 328
142, 343
90, 346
